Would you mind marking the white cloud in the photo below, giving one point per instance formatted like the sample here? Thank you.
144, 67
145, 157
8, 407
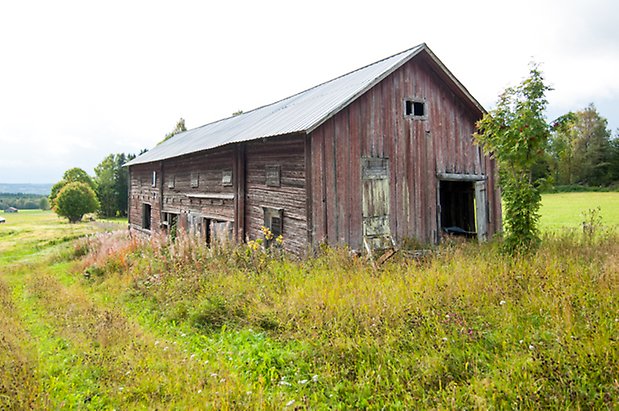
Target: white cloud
81, 80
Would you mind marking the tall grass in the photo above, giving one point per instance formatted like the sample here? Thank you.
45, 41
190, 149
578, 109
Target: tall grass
464, 328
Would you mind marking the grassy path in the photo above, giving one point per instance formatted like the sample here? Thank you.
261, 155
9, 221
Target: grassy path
59, 348
68, 343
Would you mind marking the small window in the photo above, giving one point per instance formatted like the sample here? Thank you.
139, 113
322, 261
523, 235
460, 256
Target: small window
226, 178
171, 182
273, 176
415, 108
146, 216
154, 182
195, 180
274, 221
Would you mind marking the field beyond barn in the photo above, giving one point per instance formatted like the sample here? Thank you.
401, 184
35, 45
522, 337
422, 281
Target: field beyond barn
110, 321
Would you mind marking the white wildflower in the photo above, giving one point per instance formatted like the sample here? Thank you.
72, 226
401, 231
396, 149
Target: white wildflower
445, 339
166, 348
199, 391
531, 347
289, 403
502, 302
303, 382
315, 378
286, 383
214, 375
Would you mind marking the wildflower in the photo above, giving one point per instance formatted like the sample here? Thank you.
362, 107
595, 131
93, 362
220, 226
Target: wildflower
214, 375
289, 403
447, 316
121, 388
222, 380
315, 378
166, 348
199, 391
286, 383
520, 342
531, 347
157, 342
502, 302
192, 356
279, 240
249, 393
183, 335
445, 339
303, 382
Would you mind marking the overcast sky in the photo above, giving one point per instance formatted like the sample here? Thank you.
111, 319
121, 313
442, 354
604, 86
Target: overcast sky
81, 79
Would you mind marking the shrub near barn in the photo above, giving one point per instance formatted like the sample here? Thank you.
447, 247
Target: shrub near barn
74, 200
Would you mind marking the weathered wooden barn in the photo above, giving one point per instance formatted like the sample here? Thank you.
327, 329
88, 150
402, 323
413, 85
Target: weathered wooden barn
379, 155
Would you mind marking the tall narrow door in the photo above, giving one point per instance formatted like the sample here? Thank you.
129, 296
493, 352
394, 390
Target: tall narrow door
375, 199
481, 210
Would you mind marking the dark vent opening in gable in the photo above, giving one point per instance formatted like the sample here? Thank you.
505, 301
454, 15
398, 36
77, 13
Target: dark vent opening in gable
415, 108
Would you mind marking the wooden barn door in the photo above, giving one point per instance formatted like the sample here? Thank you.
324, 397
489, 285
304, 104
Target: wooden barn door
481, 210
375, 203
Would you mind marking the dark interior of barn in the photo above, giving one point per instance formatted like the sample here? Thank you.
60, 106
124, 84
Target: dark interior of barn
457, 200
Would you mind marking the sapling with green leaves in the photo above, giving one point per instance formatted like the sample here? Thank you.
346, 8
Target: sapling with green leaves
516, 134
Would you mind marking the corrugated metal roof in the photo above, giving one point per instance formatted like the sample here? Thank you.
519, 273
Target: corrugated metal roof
300, 113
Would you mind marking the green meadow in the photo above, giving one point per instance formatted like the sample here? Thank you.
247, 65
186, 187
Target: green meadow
569, 210
92, 318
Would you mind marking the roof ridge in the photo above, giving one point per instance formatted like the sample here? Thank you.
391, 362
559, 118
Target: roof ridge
422, 45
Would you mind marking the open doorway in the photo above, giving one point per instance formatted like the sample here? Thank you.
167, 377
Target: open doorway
457, 205
463, 205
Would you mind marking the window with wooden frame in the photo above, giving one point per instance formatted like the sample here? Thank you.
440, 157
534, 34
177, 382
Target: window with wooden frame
415, 108
226, 178
274, 221
194, 180
273, 176
154, 181
171, 181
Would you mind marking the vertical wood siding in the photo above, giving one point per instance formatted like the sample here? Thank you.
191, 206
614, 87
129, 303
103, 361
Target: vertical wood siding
374, 125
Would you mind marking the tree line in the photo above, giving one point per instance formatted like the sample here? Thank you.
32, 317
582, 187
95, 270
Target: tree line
23, 201
581, 152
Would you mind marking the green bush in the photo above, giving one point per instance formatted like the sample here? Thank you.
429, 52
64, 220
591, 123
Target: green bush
74, 200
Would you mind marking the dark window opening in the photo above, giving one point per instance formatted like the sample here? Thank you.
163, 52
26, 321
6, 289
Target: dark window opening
458, 208
169, 222
146, 216
274, 221
414, 108
217, 232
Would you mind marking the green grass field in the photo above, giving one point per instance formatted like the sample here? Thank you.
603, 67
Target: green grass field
111, 321
565, 210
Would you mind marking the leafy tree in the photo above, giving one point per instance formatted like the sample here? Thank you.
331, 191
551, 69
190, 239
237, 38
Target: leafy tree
180, 127
592, 151
112, 184
516, 134
106, 186
581, 148
44, 203
70, 176
74, 200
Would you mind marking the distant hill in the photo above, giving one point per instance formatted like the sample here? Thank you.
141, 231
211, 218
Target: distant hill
40, 189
